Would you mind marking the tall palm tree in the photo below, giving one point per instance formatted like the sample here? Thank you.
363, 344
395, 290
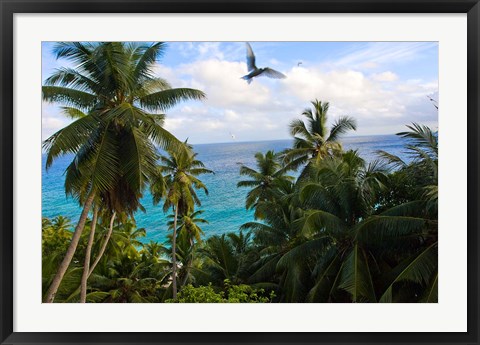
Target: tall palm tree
274, 236
88, 252
115, 99
189, 239
312, 139
264, 181
103, 242
176, 183
126, 242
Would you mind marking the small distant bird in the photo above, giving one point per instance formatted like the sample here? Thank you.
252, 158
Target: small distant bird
434, 102
254, 71
299, 63
233, 136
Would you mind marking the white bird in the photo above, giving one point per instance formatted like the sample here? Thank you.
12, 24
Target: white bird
233, 136
254, 71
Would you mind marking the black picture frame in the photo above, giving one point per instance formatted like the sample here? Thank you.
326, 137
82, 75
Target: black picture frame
7, 175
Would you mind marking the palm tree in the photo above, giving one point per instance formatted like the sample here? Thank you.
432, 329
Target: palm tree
153, 251
263, 181
420, 267
189, 238
310, 222
56, 236
422, 148
126, 281
312, 140
128, 237
188, 227
225, 259
55, 232
125, 241
115, 99
88, 251
176, 183
104, 242
274, 236
348, 245
340, 199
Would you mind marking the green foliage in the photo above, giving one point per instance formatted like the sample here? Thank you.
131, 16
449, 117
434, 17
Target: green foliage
56, 235
264, 182
312, 139
230, 294
176, 180
201, 294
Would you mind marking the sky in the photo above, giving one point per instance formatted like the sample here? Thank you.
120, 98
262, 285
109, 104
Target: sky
383, 85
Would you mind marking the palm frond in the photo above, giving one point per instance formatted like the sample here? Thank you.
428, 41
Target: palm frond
342, 126
393, 160
69, 97
355, 277
73, 113
70, 138
166, 99
377, 229
148, 57
418, 269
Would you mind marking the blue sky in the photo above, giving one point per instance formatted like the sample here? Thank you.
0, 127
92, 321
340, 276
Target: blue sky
384, 85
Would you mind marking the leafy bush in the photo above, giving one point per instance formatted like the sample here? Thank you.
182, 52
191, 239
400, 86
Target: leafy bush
232, 294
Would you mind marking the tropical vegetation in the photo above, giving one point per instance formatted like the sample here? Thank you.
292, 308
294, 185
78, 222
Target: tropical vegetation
327, 226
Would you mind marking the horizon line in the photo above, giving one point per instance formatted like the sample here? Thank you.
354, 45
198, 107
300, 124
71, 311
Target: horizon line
283, 139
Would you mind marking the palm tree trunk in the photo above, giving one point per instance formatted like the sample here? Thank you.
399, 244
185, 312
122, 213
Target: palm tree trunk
52, 290
88, 252
104, 245
174, 253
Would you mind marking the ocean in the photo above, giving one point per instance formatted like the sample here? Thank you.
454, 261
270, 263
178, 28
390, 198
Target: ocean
224, 207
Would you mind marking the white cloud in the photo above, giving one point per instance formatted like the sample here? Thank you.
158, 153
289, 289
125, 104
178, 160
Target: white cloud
221, 81
385, 76
381, 102
230, 115
353, 93
195, 51
52, 120
368, 65
378, 53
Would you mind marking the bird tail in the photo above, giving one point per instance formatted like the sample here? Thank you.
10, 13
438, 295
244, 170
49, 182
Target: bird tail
247, 78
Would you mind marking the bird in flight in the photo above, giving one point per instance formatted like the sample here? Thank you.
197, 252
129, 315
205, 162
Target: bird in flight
434, 102
254, 71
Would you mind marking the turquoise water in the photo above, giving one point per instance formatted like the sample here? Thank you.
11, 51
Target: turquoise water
225, 205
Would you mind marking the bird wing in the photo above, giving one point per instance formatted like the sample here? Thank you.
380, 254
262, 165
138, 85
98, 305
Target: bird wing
250, 58
271, 73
